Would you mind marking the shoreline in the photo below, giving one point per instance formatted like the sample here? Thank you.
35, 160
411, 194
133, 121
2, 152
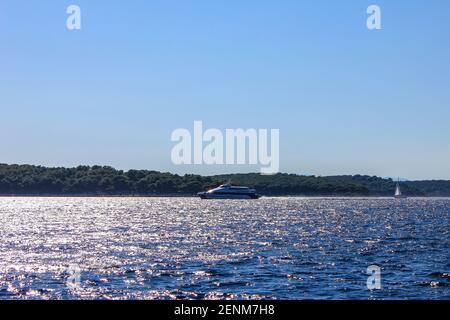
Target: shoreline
169, 196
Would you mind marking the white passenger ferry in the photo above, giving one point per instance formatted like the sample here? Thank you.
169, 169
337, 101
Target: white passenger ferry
227, 191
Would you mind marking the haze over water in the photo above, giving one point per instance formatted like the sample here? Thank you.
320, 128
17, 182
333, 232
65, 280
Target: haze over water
272, 248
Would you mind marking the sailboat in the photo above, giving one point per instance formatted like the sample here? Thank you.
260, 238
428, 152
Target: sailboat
398, 191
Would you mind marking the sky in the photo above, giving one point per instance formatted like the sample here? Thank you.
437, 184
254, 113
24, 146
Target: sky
347, 100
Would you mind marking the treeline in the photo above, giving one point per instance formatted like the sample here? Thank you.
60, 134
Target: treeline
95, 180
291, 184
104, 180
379, 186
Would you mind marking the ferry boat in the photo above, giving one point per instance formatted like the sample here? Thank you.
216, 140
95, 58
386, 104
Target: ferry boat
228, 191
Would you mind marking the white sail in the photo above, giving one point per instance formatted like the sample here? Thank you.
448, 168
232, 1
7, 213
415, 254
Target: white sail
398, 192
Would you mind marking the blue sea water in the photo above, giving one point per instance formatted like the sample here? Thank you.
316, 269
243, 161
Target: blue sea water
186, 248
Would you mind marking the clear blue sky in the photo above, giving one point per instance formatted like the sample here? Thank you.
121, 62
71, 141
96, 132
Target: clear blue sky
346, 100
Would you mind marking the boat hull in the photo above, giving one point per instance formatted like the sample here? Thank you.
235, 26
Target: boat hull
205, 195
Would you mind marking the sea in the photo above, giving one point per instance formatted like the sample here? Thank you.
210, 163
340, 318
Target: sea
185, 248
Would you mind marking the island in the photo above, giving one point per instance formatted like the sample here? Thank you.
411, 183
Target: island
30, 180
